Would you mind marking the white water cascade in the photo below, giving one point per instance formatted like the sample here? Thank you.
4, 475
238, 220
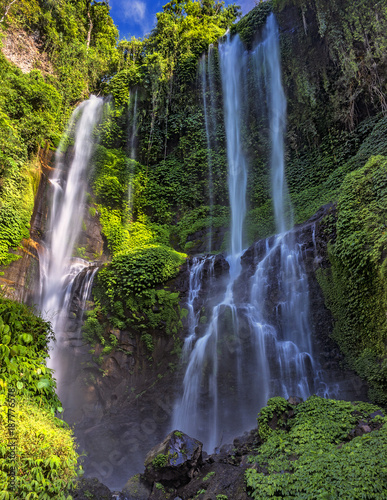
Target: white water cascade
209, 107
205, 407
290, 368
58, 268
258, 340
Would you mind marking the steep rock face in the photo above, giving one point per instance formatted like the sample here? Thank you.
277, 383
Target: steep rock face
25, 50
313, 237
123, 406
21, 276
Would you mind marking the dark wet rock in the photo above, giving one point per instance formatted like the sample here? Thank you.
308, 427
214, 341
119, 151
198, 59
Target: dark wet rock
174, 461
199, 241
294, 400
88, 488
136, 489
216, 479
377, 413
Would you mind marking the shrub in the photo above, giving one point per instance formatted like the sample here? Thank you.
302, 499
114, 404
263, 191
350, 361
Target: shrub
45, 461
24, 341
313, 458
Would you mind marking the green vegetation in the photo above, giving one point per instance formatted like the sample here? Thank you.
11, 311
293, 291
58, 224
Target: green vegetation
45, 460
160, 461
355, 285
76, 49
314, 454
24, 340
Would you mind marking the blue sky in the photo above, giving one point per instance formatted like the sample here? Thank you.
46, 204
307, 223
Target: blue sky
138, 17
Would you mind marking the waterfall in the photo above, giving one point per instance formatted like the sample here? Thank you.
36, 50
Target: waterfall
58, 268
266, 57
233, 65
293, 367
207, 67
195, 284
132, 132
205, 408
258, 341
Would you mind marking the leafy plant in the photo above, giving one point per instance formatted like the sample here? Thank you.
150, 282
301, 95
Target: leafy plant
23, 353
314, 455
45, 460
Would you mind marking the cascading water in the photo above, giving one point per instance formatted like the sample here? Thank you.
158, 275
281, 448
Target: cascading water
204, 393
260, 347
209, 106
288, 348
58, 268
195, 283
132, 110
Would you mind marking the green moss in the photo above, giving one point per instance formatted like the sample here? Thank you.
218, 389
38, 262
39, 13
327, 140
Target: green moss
355, 286
312, 458
160, 461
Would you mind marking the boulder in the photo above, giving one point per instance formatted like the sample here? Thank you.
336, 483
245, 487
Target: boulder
136, 489
87, 488
174, 461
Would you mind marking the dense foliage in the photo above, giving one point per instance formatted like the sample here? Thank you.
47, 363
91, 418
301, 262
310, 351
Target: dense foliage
356, 283
310, 451
24, 343
44, 459
35, 105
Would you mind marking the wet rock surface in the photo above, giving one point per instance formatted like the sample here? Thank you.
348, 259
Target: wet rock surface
313, 237
195, 474
175, 460
88, 488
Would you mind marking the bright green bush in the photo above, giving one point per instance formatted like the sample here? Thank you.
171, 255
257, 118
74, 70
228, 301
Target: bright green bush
315, 458
45, 461
355, 286
139, 269
24, 340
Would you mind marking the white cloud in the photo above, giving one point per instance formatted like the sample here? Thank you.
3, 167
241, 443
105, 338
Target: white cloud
134, 10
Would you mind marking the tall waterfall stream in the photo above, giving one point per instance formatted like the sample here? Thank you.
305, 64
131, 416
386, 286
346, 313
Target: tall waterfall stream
243, 359
60, 272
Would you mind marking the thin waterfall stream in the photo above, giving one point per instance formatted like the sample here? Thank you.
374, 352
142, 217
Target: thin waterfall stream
251, 349
61, 274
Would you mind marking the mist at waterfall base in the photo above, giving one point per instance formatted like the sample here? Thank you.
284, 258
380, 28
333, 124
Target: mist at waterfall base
246, 353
